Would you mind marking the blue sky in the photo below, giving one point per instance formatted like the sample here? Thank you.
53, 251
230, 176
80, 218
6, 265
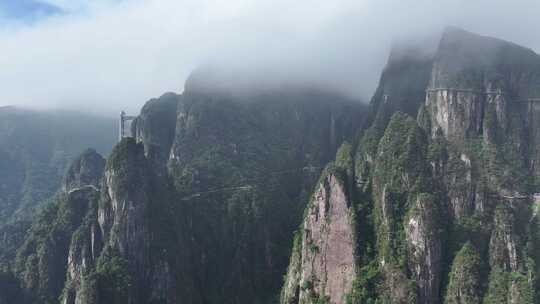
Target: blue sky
35, 11
27, 10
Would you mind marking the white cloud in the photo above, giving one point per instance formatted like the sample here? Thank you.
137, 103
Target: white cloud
119, 54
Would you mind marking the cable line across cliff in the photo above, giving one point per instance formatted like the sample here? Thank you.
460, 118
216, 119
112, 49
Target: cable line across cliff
253, 181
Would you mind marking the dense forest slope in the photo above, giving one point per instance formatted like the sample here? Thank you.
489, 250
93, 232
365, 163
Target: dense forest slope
436, 202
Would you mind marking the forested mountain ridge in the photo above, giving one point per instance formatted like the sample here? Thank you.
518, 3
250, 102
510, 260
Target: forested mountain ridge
436, 203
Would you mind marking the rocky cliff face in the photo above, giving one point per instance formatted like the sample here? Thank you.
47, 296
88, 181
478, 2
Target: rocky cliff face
42, 260
36, 149
323, 264
464, 283
86, 170
444, 180
122, 214
270, 147
155, 127
422, 231
406, 212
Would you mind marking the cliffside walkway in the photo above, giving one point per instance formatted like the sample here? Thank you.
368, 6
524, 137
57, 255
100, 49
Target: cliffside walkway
479, 92
83, 188
533, 196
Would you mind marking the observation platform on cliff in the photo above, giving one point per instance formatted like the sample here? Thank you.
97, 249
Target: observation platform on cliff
125, 125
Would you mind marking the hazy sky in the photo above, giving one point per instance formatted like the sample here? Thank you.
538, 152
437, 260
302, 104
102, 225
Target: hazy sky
107, 55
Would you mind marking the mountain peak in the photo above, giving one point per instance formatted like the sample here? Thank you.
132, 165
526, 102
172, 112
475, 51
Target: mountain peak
467, 60
86, 170
472, 43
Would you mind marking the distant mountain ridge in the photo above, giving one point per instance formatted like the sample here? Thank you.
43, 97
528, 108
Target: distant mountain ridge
37, 146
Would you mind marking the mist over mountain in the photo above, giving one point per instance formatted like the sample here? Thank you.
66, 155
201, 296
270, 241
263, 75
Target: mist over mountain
110, 55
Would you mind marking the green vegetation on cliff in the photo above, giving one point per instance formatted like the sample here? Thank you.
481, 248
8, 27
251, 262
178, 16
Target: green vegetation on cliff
464, 285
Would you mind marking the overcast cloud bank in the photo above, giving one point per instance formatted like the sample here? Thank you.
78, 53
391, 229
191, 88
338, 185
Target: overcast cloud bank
114, 55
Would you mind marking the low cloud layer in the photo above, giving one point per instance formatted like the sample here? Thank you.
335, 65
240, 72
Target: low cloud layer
114, 55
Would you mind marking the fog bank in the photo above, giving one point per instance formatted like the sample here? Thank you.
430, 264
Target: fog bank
115, 55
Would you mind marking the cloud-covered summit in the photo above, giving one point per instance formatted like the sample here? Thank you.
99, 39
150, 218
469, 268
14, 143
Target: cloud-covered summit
109, 55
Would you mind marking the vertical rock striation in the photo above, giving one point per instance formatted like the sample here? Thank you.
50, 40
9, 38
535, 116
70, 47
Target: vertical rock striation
325, 266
